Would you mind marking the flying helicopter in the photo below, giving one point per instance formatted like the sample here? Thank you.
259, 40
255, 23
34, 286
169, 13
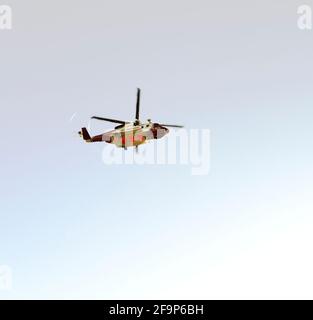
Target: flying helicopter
129, 133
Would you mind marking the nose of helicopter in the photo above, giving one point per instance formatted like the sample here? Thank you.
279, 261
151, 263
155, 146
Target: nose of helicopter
160, 131
164, 129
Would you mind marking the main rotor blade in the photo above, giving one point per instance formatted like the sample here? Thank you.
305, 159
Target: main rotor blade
171, 125
138, 104
109, 120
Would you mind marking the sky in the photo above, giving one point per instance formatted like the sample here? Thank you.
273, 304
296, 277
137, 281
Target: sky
73, 227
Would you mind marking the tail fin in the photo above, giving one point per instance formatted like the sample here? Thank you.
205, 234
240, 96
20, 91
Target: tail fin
85, 134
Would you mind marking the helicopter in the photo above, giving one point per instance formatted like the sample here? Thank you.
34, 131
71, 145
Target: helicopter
129, 133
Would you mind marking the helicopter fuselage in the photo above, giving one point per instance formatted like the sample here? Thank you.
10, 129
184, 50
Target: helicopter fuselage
130, 135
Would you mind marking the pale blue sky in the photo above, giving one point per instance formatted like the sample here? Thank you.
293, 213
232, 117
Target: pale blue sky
72, 227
